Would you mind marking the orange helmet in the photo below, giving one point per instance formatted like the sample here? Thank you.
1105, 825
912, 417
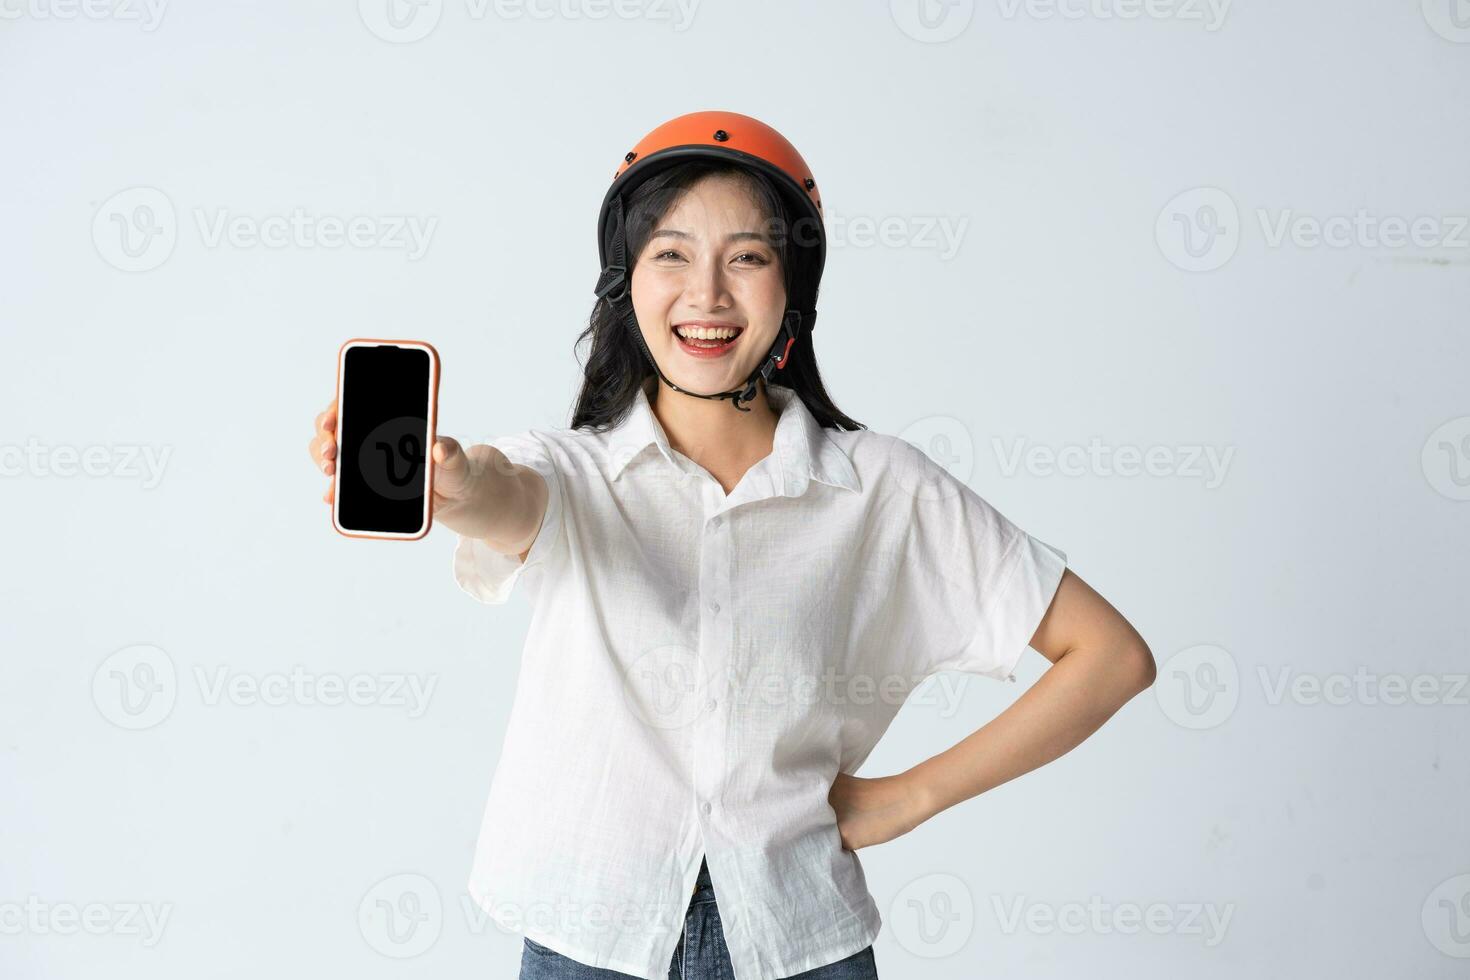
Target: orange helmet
727, 136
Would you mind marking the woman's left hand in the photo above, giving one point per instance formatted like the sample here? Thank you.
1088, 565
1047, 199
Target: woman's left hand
874, 811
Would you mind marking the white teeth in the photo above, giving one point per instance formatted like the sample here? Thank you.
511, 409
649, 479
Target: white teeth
706, 333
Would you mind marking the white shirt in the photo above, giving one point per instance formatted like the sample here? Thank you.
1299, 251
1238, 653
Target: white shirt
698, 668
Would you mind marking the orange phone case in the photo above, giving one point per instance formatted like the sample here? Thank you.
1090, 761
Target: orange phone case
428, 451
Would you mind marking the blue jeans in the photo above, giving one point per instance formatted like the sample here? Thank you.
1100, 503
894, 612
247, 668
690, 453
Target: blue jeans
700, 955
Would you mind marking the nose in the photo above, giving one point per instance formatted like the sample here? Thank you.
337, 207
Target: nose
705, 289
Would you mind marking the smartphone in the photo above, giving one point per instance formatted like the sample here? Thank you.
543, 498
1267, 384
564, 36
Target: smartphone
387, 399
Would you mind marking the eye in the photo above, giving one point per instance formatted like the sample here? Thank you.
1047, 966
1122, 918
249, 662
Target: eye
744, 258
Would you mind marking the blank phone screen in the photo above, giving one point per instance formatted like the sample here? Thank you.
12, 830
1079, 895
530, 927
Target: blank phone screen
385, 432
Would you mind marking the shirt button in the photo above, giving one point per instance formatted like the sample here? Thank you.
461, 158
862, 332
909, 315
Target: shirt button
705, 808
710, 704
714, 607
714, 522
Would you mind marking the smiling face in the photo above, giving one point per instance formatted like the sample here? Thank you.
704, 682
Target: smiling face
708, 288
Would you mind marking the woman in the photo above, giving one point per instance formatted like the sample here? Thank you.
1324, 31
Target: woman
730, 606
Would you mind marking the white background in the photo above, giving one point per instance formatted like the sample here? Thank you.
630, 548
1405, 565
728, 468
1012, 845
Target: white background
1326, 833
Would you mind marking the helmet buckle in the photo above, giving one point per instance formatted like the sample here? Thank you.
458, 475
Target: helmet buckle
613, 276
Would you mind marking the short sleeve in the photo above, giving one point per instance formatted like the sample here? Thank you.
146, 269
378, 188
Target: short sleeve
982, 584
484, 572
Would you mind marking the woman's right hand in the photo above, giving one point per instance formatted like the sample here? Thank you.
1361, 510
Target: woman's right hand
472, 487
477, 491
323, 446
480, 493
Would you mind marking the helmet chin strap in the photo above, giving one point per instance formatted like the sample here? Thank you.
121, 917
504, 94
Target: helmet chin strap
613, 285
776, 358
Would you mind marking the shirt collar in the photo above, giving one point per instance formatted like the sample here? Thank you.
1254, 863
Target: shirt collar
801, 446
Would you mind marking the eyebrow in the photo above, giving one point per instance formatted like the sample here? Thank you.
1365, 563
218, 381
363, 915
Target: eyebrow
734, 236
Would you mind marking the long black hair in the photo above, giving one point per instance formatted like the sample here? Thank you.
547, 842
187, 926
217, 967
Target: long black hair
616, 366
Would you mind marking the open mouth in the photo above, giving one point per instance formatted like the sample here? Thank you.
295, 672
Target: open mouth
707, 341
